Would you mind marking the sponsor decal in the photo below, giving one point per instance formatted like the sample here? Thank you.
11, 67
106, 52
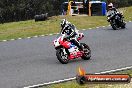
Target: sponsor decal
83, 78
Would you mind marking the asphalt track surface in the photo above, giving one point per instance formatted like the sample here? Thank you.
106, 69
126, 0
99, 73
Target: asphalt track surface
33, 61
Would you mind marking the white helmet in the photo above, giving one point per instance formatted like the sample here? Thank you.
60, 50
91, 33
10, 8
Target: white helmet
64, 22
110, 6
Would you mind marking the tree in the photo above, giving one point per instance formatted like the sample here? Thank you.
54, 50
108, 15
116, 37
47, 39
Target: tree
16, 10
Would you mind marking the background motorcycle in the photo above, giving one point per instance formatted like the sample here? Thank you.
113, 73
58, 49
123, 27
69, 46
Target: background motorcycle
116, 21
66, 51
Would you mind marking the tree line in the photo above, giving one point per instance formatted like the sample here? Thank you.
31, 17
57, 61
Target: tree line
17, 10
120, 3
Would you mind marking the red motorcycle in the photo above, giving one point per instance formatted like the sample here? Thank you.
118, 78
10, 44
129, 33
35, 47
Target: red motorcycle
66, 50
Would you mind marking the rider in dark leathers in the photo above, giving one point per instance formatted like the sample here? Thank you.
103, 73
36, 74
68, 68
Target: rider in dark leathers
71, 32
112, 11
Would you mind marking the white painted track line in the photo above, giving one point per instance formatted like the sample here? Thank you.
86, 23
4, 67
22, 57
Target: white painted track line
49, 34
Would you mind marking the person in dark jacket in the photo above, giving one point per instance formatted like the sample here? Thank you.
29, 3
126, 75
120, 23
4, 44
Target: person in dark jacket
71, 32
112, 11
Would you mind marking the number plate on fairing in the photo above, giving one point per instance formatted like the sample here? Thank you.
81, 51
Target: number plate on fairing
73, 49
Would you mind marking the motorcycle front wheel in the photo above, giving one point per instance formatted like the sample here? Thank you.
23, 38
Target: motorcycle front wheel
61, 56
114, 25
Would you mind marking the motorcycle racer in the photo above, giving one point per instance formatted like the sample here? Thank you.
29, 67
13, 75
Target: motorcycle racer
71, 33
112, 11
67, 44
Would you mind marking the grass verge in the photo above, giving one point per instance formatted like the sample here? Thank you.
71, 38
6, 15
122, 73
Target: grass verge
31, 28
73, 84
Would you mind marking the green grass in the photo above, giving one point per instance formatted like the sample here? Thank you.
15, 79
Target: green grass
73, 84
30, 28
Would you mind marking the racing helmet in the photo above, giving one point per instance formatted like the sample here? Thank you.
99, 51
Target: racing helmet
63, 23
110, 6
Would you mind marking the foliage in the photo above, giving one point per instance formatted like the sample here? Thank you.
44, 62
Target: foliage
17, 10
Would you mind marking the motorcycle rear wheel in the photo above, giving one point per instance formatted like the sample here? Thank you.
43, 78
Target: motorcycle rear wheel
87, 52
123, 25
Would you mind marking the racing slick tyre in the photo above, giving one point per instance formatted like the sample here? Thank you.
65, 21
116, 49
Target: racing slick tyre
63, 58
87, 52
114, 27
